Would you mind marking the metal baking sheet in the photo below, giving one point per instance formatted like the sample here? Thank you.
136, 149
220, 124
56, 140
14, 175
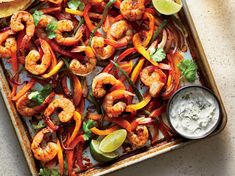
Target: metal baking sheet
206, 78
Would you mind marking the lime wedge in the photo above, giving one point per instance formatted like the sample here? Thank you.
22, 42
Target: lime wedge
167, 7
100, 156
113, 141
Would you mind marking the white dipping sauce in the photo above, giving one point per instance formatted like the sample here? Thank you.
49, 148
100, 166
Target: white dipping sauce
194, 112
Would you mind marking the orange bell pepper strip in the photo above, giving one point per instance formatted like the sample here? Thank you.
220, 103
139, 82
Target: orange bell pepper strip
151, 28
24, 90
117, 4
119, 17
81, 13
136, 72
54, 70
104, 132
94, 116
89, 24
78, 122
140, 105
141, 49
60, 158
122, 122
77, 90
127, 67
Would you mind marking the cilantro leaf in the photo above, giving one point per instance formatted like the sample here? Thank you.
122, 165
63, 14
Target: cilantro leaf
188, 69
41, 124
38, 97
50, 29
87, 128
75, 4
48, 172
158, 55
37, 16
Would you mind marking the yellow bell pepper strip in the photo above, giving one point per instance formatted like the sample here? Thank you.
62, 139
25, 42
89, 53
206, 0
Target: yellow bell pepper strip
121, 122
135, 89
54, 70
60, 158
24, 90
78, 122
136, 72
81, 13
141, 49
77, 90
140, 105
104, 132
151, 28
104, 15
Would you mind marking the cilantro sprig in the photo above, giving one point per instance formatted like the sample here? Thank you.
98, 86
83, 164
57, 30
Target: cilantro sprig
37, 15
76, 4
50, 29
188, 69
87, 128
38, 97
158, 54
48, 172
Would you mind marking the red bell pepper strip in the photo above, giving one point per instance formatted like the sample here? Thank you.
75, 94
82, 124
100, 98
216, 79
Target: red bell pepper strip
81, 106
164, 132
70, 161
121, 122
77, 90
156, 133
157, 112
79, 157
25, 89
89, 24
50, 10
137, 69
78, 122
119, 17
78, 139
60, 158
104, 132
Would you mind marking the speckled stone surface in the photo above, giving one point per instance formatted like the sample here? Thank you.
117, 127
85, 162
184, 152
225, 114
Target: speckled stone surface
215, 22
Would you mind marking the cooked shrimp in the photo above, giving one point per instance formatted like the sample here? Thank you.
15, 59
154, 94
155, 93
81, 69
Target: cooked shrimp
114, 110
101, 50
61, 103
67, 26
121, 31
46, 153
45, 20
84, 69
26, 111
17, 25
154, 78
132, 10
5, 51
139, 138
31, 60
101, 81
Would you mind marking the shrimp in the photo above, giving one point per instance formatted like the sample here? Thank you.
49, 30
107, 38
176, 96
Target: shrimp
16, 25
121, 31
57, 2
61, 103
84, 69
140, 138
26, 111
101, 50
45, 20
114, 110
101, 81
132, 10
34, 56
46, 153
67, 26
154, 78
5, 51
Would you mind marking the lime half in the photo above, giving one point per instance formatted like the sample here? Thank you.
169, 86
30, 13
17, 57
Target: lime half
167, 7
113, 141
100, 156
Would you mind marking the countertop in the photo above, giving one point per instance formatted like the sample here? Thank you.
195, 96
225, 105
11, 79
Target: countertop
215, 22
